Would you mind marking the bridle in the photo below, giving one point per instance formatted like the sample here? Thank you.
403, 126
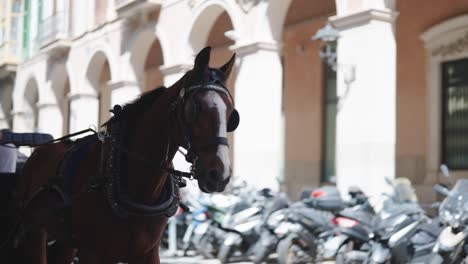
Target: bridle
186, 113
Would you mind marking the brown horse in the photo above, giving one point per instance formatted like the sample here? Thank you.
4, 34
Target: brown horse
120, 192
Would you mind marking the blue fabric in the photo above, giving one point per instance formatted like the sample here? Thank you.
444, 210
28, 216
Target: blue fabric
24, 139
73, 161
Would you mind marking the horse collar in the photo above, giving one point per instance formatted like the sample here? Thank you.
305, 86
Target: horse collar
116, 194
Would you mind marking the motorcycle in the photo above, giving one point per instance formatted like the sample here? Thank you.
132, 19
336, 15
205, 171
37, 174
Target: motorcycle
397, 234
243, 229
306, 226
452, 243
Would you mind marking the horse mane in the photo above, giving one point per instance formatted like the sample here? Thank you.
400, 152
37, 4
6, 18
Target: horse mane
131, 111
134, 109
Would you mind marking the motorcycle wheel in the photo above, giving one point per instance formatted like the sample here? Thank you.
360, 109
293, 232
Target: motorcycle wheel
261, 253
289, 252
436, 259
207, 247
225, 253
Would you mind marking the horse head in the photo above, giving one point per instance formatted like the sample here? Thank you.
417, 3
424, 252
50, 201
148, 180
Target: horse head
209, 114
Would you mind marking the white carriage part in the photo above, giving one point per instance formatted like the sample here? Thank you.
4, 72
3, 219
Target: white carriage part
8, 158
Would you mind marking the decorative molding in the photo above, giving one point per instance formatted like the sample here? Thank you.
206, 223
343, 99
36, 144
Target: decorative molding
363, 17
454, 47
114, 85
247, 5
36, 58
41, 105
437, 31
17, 112
246, 49
175, 68
76, 96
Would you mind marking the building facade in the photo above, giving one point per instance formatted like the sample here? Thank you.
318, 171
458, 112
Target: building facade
11, 15
394, 106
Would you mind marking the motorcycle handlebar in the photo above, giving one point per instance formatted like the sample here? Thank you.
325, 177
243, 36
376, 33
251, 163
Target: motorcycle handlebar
442, 190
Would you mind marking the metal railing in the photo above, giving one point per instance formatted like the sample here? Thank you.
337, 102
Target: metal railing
53, 28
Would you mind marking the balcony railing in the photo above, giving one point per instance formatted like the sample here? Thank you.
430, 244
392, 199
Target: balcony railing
52, 29
131, 7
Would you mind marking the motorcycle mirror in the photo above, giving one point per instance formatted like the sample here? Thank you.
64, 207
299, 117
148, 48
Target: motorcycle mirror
442, 190
388, 180
445, 170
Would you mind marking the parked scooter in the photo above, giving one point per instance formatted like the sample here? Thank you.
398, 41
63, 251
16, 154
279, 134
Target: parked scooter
307, 226
452, 243
392, 236
244, 228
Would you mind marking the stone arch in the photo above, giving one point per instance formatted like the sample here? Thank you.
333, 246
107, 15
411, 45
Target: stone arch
30, 105
276, 13
147, 55
204, 19
94, 61
98, 76
304, 102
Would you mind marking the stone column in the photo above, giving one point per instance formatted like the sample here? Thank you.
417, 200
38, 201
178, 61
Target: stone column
3, 119
84, 111
50, 119
259, 139
366, 121
5, 102
20, 121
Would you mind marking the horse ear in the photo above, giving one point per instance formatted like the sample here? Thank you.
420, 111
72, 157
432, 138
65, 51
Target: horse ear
226, 68
203, 58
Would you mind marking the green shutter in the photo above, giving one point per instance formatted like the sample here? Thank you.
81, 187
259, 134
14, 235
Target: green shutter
39, 14
26, 25
330, 110
39, 22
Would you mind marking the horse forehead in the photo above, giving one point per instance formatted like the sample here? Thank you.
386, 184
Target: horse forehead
213, 99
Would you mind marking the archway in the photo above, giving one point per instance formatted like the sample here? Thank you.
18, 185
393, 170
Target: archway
31, 111
146, 59
99, 75
307, 97
153, 77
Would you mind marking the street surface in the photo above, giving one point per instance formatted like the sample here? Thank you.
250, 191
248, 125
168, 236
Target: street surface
193, 260
200, 260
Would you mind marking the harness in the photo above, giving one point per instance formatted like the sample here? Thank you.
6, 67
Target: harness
113, 153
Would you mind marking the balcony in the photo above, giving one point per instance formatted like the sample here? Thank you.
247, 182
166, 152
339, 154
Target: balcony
129, 8
9, 58
54, 33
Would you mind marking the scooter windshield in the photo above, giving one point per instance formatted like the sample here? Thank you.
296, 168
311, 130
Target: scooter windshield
454, 208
